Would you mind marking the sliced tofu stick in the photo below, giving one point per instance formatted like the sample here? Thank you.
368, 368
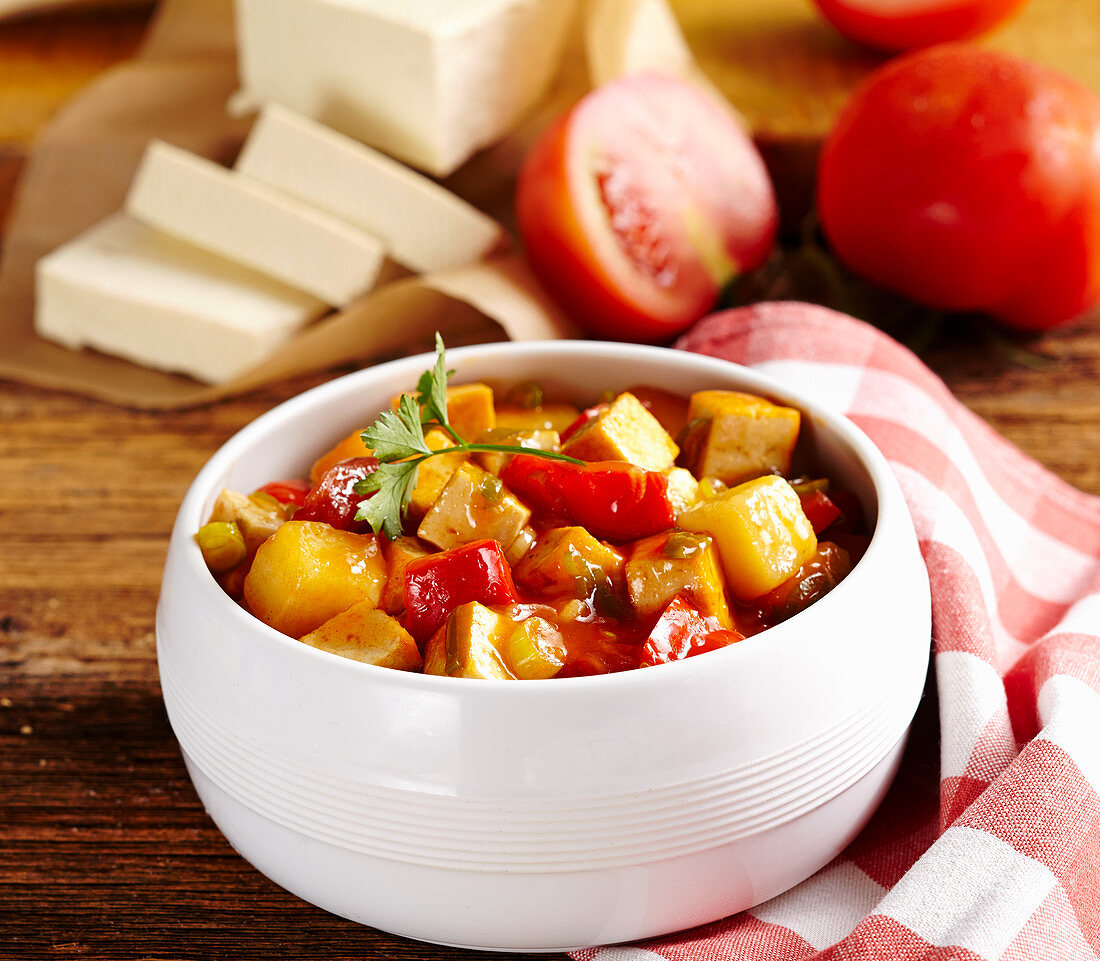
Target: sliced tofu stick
252, 224
128, 290
423, 226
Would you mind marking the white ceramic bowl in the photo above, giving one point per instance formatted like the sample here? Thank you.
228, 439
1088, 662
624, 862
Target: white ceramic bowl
544, 815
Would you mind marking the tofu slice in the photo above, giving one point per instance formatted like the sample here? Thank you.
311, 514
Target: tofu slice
364, 633
129, 290
426, 81
474, 505
399, 554
423, 226
466, 646
762, 534
624, 431
734, 437
252, 224
679, 562
433, 473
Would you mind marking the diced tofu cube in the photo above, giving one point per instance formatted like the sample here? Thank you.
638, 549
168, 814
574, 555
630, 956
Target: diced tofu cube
433, 473
399, 554
307, 572
494, 461
466, 646
624, 431
473, 506
256, 517
735, 437
763, 535
570, 562
679, 562
364, 633
683, 489
544, 417
520, 545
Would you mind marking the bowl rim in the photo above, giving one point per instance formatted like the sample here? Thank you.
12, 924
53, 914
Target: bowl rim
872, 461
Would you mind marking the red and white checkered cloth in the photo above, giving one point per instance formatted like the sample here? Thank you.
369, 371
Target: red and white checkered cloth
1001, 858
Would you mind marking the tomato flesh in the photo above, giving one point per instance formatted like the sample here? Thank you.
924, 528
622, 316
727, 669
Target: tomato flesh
640, 204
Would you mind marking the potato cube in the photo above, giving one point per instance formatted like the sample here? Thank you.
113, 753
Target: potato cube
472, 506
678, 562
256, 517
544, 417
568, 561
466, 646
399, 554
307, 572
762, 533
624, 431
494, 461
433, 473
735, 437
364, 633
470, 409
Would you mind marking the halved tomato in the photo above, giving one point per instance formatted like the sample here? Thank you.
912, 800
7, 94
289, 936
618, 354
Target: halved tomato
638, 205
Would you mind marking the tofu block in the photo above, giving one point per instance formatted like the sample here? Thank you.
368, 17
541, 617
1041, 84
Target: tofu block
426, 81
203, 203
307, 572
520, 545
495, 461
474, 505
126, 289
364, 633
762, 534
399, 554
734, 437
257, 518
680, 562
466, 646
568, 562
624, 431
422, 225
683, 489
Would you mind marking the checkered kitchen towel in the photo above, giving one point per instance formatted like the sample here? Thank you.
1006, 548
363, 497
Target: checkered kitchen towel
998, 857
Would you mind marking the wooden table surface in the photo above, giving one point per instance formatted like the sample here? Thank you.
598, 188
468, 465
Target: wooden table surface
105, 851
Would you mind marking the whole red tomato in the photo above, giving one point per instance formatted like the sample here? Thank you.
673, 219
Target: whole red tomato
907, 24
638, 205
969, 180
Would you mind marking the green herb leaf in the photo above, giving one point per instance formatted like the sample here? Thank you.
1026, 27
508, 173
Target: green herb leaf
391, 485
432, 389
397, 434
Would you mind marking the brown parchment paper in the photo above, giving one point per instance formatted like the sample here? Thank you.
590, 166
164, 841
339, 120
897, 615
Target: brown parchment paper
177, 89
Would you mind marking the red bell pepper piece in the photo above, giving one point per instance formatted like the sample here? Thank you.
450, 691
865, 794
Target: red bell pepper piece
819, 509
612, 499
333, 500
682, 631
437, 584
586, 415
292, 491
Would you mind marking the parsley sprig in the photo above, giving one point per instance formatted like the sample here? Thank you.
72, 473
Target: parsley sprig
397, 438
